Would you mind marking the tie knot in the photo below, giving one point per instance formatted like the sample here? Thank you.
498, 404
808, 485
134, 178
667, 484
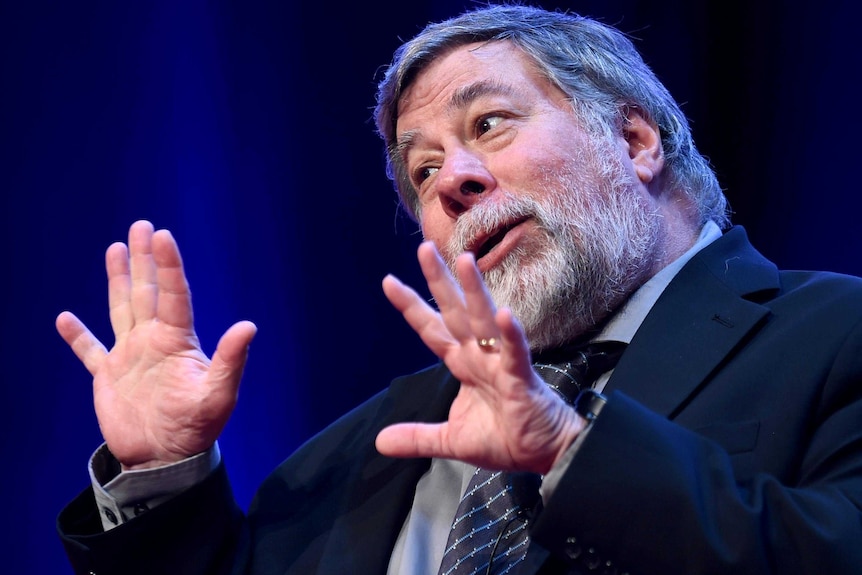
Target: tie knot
569, 371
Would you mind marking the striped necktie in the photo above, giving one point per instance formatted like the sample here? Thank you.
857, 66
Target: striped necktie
489, 533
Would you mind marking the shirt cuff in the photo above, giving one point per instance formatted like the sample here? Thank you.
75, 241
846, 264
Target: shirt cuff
123, 495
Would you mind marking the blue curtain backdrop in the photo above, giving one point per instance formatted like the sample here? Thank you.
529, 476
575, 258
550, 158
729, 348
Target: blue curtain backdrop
245, 128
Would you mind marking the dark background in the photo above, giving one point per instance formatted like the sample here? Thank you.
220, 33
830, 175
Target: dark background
245, 128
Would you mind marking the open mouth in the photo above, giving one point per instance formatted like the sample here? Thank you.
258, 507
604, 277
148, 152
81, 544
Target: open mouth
485, 244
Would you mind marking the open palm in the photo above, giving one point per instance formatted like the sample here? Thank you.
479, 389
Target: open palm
158, 397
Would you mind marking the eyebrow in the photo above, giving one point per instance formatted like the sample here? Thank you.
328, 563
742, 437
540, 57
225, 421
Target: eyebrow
460, 99
466, 95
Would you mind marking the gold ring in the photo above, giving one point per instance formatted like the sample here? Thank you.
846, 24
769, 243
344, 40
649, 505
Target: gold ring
487, 343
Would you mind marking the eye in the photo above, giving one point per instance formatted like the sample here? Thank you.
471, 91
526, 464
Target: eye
488, 123
425, 172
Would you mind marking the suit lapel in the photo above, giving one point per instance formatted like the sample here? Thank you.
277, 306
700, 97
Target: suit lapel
702, 316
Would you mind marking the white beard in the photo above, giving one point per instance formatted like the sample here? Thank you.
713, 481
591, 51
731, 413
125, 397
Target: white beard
598, 244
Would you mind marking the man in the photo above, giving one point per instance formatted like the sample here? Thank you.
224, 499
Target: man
563, 202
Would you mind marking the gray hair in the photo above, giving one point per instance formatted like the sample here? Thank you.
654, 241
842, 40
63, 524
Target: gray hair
596, 65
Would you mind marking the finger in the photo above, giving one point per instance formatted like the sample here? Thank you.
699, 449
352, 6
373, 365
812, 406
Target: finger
84, 344
446, 292
515, 357
412, 440
174, 299
144, 289
480, 306
119, 289
420, 316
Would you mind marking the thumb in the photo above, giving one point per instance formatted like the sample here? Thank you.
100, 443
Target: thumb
412, 440
231, 353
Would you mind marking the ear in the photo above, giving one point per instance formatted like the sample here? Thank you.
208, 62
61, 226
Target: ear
644, 145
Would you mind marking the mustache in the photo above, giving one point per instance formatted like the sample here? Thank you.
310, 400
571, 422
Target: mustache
489, 216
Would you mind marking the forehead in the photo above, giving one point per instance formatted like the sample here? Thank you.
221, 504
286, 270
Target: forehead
499, 63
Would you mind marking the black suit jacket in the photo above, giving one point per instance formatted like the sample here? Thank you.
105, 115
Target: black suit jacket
731, 443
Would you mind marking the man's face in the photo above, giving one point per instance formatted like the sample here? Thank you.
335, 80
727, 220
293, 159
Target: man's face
559, 222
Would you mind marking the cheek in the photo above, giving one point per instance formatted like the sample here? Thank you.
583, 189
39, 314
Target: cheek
539, 159
436, 225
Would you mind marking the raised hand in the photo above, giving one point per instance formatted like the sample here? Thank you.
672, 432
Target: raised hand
504, 416
158, 397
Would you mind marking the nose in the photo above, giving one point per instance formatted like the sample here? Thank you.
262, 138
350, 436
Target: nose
463, 181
